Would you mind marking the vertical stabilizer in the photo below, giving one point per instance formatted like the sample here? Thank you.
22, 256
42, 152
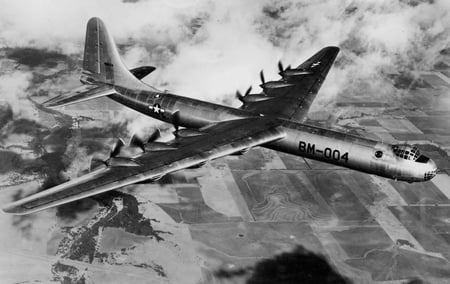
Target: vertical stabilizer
102, 62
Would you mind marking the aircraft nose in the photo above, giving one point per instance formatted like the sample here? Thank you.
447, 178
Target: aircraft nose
431, 170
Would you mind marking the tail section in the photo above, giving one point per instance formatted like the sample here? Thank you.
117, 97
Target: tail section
102, 63
103, 71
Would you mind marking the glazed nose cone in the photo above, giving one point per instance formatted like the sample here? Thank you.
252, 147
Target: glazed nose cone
431, 170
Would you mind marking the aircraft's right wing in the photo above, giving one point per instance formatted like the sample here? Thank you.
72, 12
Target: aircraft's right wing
213, 142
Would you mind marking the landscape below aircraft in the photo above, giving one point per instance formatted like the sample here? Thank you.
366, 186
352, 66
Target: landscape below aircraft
272, 119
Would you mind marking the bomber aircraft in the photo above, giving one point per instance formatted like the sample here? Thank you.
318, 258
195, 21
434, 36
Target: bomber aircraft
272, 119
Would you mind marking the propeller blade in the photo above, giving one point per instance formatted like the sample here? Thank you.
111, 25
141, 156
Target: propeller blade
239, 96
248, 91
97, 159
261, 75
96, 163
137, 141
176, 120
117, 147
154, 136
280, 66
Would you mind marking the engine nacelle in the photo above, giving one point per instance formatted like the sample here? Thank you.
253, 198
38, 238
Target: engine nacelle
121, 162
275, 85
158, 146
255, 98
295, 72
187, 132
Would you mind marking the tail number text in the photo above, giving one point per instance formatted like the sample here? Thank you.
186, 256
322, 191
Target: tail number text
328, 153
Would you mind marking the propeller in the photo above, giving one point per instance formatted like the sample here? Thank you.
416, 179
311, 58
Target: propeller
154, 136
137, 141
280, 66
281, 69
96, 162
176, 121
114, 152
241, 97
117, 147
113, 160
261, 75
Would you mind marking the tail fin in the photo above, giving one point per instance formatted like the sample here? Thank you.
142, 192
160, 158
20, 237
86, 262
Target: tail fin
102, 63
103, 70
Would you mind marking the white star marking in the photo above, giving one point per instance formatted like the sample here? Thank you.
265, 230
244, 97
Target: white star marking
156, 108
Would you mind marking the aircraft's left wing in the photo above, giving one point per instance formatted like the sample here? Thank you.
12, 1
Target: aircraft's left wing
293, 99
213, 142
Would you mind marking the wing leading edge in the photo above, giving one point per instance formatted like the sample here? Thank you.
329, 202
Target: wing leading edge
218, 140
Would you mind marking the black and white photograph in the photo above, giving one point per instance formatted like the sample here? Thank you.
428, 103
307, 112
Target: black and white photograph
224, 142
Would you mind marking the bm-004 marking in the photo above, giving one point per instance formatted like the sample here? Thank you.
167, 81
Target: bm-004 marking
327, 152
272, 118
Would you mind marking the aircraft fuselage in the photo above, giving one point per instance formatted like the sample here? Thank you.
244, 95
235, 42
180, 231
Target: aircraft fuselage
303, 140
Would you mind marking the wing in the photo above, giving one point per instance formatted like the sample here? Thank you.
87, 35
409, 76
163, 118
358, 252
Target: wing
291, 96
215, 141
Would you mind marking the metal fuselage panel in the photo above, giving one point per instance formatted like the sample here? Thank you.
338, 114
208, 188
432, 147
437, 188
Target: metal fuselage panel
335, 148
302, 140
192, 113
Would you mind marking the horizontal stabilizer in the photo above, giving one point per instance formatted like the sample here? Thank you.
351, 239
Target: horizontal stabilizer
141, 72
102, 69
83, 93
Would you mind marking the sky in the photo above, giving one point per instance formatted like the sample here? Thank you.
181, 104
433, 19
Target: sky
210, 49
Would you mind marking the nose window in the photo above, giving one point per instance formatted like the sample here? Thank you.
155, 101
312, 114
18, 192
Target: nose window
430, 174
378, 154
422, 159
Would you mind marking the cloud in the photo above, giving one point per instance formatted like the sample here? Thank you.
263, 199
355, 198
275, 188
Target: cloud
225, 54
61, 24
13, 90
209, 49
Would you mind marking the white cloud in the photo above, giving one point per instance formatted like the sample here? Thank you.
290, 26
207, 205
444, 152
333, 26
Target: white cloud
208, 49
13, 90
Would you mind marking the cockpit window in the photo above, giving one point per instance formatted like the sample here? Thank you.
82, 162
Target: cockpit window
422, 159
406, 152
